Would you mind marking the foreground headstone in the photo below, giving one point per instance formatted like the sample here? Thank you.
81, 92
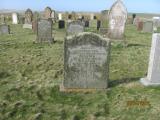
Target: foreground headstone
28, 19
4, 29
156, 23
75, 27
117, 20
86, 62
44, 31
153, 77
148, 26
14, 18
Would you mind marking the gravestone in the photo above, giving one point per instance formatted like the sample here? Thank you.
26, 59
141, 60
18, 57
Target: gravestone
14, 18
4, 29
61, 24
93, 23
156, 23
117, 20
153, 77
35, 25
60, 16
53, 14
148, 26
136, 21
47, 12
21, 20
98, 24
2, 19
44, 31
86, 23
92, 17
75, 27
28, 19
140, 26
86, 62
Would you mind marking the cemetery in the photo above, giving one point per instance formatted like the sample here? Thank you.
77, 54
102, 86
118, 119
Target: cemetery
71, 65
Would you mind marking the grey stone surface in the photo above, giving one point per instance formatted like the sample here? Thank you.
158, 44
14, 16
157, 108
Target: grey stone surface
75, 27
4, 29
28, 16
148, 26
44, 31
86, 61
153, 77
117, 20
47, 12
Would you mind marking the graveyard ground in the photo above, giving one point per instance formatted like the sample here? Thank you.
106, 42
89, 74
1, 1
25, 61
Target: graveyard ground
30, 75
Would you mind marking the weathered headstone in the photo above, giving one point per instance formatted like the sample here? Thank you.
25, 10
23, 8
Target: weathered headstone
86, 23
153, 77
148, 26
14, 18
86, 62
156, 23
75, 27
47, 12
4, 29
117, 20
61, 24
92, 16
44, 31
21, 20
34, 26
140, 26
53, 14
28, 19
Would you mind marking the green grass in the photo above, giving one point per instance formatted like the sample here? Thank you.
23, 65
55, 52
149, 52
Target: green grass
31, 73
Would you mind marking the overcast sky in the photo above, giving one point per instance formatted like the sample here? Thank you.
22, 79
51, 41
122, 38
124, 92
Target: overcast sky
138, 6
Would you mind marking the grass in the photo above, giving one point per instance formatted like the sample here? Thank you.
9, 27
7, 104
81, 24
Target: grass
31, 73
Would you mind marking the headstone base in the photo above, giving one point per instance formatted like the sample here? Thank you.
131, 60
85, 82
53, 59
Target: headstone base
146, 82
29, 26
77, 90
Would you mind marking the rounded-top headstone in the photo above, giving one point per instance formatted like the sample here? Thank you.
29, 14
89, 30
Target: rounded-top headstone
47, 12
28, 16
117, 20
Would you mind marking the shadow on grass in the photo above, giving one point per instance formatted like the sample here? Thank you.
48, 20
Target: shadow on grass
136, 45
114, 83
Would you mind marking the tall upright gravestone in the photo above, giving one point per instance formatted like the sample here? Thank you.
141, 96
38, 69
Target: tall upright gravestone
44, 31
117, 20
75, 27
28, 19
86, 62
153, 77
14, 18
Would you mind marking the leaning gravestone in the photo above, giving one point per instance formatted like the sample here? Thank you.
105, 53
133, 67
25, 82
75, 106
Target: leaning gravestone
14, 18
75, 27
148, 26
44, 31
86, 62
153, 77
117, 20
28, 19
4, 29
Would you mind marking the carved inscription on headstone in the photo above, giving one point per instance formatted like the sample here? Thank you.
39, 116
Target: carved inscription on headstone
86, 61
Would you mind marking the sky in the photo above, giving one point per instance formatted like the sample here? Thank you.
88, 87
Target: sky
136, 6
